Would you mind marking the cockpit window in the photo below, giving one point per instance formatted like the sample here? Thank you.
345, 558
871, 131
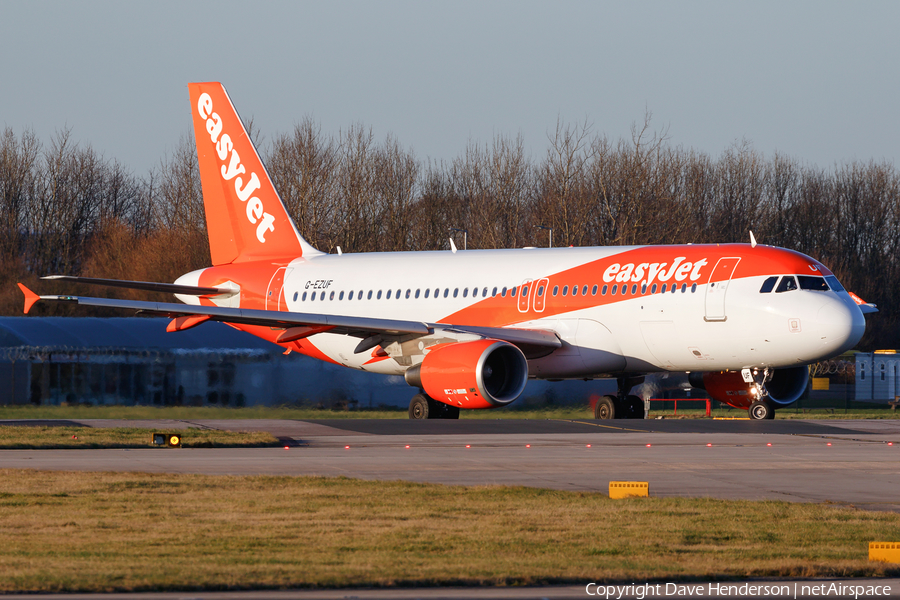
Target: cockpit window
816, 284
833, 283
788, 284
768, 285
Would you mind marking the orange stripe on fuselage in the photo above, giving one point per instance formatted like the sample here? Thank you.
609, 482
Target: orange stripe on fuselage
646, 265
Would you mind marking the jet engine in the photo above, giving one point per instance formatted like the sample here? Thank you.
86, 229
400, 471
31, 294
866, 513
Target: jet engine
778, 386
477, 374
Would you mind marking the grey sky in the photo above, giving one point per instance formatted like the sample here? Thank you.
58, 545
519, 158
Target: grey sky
815, 80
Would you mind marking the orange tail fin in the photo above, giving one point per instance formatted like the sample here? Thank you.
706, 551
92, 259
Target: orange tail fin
245, 218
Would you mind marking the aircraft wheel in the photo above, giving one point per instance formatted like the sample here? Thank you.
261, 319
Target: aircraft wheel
605, 408
634, 407
419, 407
760, 410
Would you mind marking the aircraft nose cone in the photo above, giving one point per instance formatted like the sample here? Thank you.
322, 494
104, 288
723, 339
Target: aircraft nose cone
841, 325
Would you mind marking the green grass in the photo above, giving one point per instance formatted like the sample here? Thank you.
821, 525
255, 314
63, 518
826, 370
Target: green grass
103, 532
42, 438
304, 413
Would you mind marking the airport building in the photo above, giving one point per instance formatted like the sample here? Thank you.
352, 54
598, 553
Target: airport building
52, 360
134, 361
878, 376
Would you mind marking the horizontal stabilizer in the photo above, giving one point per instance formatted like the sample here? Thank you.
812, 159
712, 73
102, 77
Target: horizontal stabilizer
152, 286
30, 297
188, 322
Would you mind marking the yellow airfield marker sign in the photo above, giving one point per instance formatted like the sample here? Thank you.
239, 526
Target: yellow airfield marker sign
885, 551
628, 489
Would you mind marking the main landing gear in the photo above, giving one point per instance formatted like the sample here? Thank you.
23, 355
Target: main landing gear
423, 407
623, 405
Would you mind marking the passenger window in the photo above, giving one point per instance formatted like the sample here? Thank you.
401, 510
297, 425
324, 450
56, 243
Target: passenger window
312, 296
768, 285
398, 294
494, 292
664, 288
693, 287
484, 293
437, 292
624, 288
683, 288
455, 292
565, 290
594, 290
615, 289
369, 295
815, 284
524, 290
633, 289
360, 295
643, 288
407, 294
465, 292
331, 296
503, 293
378, 296
388, 297
341, 296
574, 290
603, 291
417, 293
788, 284
512, 292
584, 290
446, 292
555, 290
303, 298
427, 291
295, 296
349, 296
540, 291
653, 289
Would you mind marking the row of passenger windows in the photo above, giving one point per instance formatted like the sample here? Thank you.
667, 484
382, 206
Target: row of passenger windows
789, 283
483, 292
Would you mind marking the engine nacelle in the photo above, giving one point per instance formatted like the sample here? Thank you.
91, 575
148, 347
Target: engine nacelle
729, 387
477, 374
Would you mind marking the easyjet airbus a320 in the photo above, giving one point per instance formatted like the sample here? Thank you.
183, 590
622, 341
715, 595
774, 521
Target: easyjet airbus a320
469, 328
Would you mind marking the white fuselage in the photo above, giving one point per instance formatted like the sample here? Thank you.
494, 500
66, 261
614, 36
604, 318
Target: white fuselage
715, 318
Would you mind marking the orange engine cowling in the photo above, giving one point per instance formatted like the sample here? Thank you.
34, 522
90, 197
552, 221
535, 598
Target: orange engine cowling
784, 387
477, 374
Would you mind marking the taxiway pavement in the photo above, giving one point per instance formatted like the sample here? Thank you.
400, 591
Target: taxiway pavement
843, 462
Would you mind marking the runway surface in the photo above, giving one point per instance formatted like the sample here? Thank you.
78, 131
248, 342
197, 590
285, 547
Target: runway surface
843, 462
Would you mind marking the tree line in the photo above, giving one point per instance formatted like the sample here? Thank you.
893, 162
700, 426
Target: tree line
65, 208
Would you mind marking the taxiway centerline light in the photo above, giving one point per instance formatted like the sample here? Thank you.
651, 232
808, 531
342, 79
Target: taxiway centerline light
171, 440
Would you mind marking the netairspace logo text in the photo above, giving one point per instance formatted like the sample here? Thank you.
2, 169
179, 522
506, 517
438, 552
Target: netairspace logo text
736, 590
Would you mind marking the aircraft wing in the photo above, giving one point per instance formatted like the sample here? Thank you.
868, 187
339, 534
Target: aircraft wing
296, 325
